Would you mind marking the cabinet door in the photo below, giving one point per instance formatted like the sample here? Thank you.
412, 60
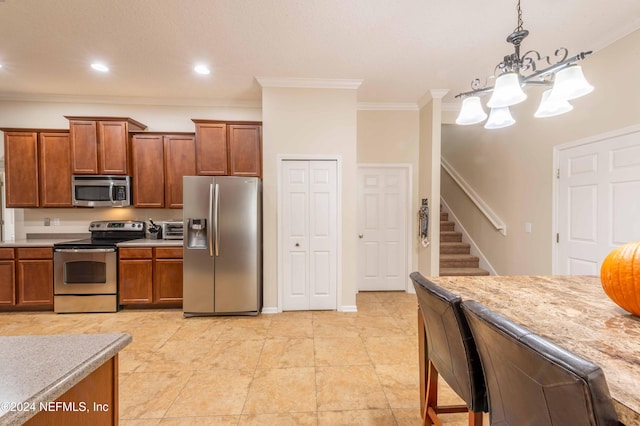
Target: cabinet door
84, 147
35, 282
55, 170
168, 281
135, 281
7, 283
148, 171
211, 149
112, 147
245, 150
180, 161
21, 168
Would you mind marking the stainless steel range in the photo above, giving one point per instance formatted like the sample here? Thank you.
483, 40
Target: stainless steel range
85, 272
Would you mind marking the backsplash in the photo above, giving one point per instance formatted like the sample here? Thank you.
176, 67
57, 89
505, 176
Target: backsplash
76, 220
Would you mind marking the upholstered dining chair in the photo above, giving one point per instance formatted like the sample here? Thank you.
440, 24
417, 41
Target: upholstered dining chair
451, 354
531, 381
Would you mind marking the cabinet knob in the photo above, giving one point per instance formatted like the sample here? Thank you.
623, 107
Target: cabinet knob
360, 236
297, 244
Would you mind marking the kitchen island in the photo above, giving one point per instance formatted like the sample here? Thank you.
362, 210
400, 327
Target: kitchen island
573, 312
60, 379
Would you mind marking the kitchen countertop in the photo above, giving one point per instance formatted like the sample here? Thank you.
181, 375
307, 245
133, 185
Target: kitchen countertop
145, 242
37, 369
573, 312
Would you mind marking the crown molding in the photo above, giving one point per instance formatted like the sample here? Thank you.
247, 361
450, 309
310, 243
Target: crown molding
386, 106
129, 100
309, 83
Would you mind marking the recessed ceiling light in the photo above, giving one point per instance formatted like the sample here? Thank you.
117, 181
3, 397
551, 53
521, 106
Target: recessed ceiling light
202, 69
100, 67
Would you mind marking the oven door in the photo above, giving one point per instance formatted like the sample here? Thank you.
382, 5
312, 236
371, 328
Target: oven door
85, 271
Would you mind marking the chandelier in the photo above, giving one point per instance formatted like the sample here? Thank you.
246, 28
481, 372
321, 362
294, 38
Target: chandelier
564, 79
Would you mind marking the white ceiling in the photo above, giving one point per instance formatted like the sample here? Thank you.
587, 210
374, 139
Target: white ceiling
399, 48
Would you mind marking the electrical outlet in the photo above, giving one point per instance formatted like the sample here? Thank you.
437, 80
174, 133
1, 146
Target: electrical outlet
56, 221
47, 221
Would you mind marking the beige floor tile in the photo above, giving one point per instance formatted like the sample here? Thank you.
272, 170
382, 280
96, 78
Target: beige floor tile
199, 329
149, 395
200, 421
245, 328
140, 422
295, 327
400, 384
232, 354
335, 324
281, 390
410, 417
349, 388
279, 419
211, 393
175, 355
377, 325
375, 417
130, 360
287, 352
334, 351
398, 349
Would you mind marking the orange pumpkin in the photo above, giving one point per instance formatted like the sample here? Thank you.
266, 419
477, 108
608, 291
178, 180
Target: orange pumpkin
620, 276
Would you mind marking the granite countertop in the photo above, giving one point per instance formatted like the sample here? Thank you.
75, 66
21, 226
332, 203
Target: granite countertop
573, 312
37, 369
146, 242
34, 242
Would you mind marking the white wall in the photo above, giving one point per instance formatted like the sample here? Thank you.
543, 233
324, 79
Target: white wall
392, 137
512, 168
309, 122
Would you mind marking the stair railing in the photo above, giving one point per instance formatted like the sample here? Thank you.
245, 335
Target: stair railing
474, 197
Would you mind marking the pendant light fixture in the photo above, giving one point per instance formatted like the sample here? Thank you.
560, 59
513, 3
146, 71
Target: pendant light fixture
515, 73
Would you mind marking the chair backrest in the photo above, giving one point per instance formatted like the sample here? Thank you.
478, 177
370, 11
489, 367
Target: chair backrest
531, 381
450, 344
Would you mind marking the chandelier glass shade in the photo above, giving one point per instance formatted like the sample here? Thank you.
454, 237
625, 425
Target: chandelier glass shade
560, 74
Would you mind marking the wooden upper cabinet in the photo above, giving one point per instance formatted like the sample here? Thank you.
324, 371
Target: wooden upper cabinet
55, 170
245, 150
180, 161
147, 159
100, 145
211, 148
84, 147
21, 168
112, 147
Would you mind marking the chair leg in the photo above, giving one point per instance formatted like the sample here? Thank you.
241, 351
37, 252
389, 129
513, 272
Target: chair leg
475, 418
431, 399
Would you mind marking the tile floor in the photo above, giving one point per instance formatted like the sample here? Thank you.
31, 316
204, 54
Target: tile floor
293, 368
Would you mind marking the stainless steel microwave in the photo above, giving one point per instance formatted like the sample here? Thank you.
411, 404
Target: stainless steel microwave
101, 191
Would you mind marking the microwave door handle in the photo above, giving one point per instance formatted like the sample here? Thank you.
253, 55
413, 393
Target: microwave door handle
111, 185
209, 227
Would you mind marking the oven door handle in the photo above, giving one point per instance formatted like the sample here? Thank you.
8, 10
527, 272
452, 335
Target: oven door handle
103, 250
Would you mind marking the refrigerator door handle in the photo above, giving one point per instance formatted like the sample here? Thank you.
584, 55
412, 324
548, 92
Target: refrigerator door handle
210, 230
217, 219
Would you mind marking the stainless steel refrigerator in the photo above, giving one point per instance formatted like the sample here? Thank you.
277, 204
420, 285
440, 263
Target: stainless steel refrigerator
222, 272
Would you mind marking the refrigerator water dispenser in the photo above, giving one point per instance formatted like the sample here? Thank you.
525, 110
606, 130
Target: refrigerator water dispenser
197, 234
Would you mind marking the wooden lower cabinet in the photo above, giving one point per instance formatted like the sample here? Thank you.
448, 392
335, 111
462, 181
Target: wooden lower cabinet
93, 401
150, 277
26, 278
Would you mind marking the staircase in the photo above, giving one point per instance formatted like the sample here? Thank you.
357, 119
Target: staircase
455, 257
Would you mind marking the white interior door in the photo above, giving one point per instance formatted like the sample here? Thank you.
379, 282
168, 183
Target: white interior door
309, 234
382, 226
598, 202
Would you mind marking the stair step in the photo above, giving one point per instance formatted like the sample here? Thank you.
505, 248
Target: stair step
447, 226
458, 261
454, 248
462, 272
450, 236
444, 216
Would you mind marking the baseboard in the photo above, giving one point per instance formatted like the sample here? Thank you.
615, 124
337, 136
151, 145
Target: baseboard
270, 310
348, 308
475, 251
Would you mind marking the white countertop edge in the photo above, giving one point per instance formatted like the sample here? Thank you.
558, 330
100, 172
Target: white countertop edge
66, 382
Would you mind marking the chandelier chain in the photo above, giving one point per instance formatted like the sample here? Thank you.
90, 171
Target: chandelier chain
520, 21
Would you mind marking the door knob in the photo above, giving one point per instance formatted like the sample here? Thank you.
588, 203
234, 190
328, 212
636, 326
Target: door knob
360, 236
297, 244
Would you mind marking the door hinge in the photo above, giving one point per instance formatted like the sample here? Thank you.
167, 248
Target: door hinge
557, 238
558, 173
